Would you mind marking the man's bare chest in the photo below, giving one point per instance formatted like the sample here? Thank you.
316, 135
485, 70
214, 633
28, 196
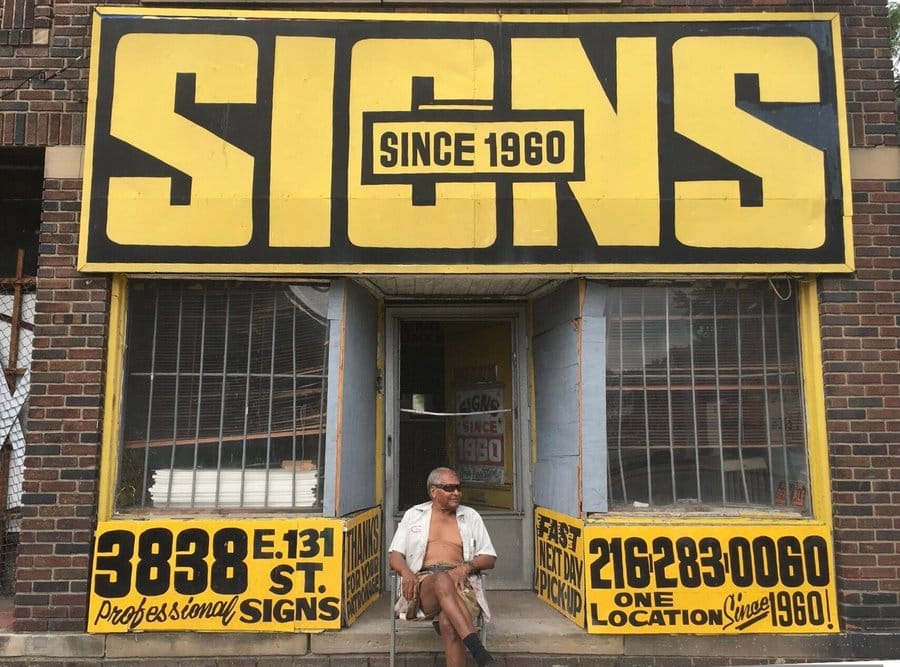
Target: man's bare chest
444, 529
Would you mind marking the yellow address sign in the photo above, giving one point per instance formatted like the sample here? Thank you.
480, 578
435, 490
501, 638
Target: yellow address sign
429, 143
272, 575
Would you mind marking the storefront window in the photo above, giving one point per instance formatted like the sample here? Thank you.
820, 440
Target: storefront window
704, 398
224, 396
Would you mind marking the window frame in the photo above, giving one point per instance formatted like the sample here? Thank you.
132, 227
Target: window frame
816, 433
721, 429
114, 422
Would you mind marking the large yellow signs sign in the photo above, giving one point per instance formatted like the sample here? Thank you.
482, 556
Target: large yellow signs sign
341, 143
255, 575
702, 580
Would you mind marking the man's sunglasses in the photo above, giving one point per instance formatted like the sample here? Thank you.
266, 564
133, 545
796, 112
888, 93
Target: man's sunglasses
449, 488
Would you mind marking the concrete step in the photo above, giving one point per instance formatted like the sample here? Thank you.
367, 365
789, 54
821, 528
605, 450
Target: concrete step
521, 623
525, 632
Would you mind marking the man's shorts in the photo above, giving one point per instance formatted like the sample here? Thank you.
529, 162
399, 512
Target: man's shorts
467, 595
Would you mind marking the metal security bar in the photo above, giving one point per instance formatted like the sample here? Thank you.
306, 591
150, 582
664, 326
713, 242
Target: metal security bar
224, 396
17, 304
704, 400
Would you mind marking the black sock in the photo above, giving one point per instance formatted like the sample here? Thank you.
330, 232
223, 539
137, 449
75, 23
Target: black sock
478, 651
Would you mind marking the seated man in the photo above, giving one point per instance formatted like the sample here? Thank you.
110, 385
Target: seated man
437, 548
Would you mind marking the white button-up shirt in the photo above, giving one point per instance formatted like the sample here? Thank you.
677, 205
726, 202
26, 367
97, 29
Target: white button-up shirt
411, 539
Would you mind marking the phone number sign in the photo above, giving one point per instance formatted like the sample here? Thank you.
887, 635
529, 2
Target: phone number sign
252, 575
693, 579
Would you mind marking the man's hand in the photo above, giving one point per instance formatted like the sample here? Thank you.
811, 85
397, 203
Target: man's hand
408, 585
460, 575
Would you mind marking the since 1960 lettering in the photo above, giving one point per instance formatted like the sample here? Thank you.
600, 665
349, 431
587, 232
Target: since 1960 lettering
443, 148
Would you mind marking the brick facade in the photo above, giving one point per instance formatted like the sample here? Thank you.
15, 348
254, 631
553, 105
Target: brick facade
860, 333
64, 420
43, 91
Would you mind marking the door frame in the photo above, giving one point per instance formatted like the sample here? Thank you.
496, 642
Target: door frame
516, 314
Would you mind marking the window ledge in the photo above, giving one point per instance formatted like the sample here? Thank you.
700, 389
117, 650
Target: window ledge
681, 515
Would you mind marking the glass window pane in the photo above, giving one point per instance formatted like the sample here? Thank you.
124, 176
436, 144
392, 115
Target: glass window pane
704, 402
224, 389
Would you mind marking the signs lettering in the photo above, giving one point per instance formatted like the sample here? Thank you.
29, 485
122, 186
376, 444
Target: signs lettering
355, 143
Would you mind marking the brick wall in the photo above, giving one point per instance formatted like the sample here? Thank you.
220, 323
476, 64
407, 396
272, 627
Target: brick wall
64, 420
861, 345
19, 19
43, 86
868, 77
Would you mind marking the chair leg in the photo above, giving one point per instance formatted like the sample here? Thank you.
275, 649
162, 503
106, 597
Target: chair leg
393, 641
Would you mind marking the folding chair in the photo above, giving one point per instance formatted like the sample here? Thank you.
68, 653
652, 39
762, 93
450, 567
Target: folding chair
395, 583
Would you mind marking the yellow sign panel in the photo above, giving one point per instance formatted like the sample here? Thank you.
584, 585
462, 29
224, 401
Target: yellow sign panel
363, 143
252, 575
559, 563
725, 580
362, 563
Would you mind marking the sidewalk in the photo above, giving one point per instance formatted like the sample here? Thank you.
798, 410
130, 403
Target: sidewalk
525, 633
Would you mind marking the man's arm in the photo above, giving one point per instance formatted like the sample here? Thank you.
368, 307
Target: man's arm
397, 562
481, 562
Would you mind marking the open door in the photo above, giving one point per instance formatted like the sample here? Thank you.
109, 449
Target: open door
456, 397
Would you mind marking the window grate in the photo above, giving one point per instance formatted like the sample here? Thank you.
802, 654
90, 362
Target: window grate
224, 396
704, 399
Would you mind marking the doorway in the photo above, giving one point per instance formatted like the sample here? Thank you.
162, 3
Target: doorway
456, 396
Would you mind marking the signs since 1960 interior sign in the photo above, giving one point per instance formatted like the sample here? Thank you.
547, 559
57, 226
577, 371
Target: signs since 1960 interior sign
295, 143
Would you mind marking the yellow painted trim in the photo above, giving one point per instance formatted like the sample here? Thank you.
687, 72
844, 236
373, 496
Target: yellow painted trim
88, 169
744, 519
109, 448
559, 270
465, 18
844, 143
379, 407
814, 398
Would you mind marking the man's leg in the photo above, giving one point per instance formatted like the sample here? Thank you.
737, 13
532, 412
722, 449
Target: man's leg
454, 649
439, 592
